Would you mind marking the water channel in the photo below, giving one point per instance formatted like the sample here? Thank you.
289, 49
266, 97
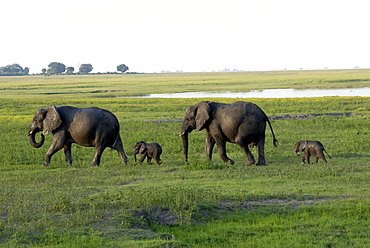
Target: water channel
268, 93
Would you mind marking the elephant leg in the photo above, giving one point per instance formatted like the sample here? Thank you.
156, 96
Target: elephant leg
303, 159
308, 158
322, 156
97, 157
68, 154
56, 145
248, 155
210, 144
261, 153
119, 148
149, 159
157, 159
142, 157
221, 147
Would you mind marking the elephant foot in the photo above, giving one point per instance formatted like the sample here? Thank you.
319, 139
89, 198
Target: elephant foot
231, 162
46, 164
249, 162
261, 163
93, 164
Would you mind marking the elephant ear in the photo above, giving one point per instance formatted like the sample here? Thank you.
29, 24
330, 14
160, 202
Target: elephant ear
304, 145
52, 119
202, 115
143, 148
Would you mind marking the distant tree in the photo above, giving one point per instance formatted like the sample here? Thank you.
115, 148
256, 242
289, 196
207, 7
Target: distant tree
26, 70
122, 68
44, 71
14, 70
85, 68
4, 71
70, 70
56, 68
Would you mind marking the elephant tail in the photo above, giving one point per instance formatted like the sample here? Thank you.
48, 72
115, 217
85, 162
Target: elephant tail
275, 141
327, 153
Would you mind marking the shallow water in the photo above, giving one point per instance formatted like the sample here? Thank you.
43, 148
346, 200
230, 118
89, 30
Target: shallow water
268, 93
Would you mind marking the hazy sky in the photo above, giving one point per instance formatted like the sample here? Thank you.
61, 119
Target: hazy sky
192, 35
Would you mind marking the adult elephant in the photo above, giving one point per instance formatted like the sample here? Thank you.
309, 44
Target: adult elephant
92, 127
242, 123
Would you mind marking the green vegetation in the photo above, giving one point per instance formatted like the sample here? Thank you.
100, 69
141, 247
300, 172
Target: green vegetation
203, 204
108, 86
13, 70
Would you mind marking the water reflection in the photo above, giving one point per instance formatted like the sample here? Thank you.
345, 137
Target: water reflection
269, 93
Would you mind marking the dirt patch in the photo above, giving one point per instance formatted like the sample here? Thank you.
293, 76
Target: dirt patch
293, 203
161, 121
161, 216
279, 117
307, 116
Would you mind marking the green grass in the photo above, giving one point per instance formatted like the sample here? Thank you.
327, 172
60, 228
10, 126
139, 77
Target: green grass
97, 86
203, 204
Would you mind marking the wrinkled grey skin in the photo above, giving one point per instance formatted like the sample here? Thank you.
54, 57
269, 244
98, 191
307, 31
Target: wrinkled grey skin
310, 148
242, 123
92, 127
149, 151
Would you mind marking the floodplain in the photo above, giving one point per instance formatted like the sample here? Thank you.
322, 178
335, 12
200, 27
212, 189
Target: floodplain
200, 204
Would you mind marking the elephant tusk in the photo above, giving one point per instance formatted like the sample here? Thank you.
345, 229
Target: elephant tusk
182, 134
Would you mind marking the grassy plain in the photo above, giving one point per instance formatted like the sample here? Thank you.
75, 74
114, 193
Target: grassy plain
203, 204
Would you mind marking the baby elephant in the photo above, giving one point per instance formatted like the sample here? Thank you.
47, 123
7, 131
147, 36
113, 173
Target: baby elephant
311, 148
149, 150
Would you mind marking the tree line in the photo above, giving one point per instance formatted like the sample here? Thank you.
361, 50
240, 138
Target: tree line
13, 70
54, 68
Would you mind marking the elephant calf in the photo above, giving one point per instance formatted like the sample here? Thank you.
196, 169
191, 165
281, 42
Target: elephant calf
148, 150
311, 148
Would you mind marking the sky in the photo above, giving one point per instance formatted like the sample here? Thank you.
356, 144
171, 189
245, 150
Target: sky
189, 36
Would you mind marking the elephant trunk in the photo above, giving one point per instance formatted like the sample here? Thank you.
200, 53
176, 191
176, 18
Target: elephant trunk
185, 144
32, 139
296, 150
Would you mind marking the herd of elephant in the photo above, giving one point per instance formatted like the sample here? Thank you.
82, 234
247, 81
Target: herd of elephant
242, 123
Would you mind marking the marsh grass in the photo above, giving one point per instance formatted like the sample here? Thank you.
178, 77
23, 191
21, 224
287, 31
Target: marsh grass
109, 86
201, 204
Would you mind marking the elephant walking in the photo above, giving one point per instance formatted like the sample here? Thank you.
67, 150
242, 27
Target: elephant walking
311, 148
242, 123
91, 127
149, 151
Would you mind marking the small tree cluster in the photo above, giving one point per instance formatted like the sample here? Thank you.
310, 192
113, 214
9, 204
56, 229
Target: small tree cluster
14, 70
85, 68
122, 68
56, 68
